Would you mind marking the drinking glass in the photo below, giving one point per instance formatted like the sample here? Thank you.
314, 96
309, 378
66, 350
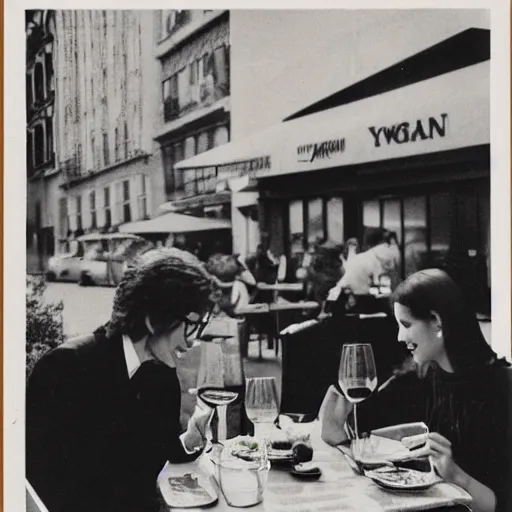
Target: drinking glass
243, 482
211, 385
357, 374
261, 403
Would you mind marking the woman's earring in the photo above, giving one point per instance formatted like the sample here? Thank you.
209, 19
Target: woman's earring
148, 325
439, 334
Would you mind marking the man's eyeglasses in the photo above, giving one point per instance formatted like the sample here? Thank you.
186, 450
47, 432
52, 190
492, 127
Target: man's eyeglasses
195, 325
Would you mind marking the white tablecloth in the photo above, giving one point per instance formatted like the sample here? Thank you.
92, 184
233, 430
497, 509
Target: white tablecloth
338, 489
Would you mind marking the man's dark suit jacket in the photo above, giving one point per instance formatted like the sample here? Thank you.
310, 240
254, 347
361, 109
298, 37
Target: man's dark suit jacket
90, 443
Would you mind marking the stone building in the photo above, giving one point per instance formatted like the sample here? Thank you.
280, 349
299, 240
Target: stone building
193, 47
42, 173
106, 105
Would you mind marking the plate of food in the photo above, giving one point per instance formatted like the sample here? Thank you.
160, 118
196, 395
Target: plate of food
401, 479
190, 490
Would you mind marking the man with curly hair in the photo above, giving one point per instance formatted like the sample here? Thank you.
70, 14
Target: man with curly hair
103, 410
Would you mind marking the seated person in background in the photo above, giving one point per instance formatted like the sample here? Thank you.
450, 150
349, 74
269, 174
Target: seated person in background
103, 410
458, 386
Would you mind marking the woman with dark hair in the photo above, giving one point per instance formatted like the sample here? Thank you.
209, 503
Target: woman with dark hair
455, 383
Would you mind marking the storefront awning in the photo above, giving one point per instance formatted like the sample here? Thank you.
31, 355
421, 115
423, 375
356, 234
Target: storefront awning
446, 112
251, 156
174, 223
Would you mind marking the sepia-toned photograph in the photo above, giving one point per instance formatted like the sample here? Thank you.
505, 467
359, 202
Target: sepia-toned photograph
259, 269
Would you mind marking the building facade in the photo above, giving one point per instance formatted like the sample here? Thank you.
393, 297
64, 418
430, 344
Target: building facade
193, 49
42, 173
106, 111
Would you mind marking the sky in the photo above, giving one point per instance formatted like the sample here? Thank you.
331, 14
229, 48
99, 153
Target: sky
282, 61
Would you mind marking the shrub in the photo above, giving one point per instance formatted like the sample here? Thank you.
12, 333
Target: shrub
44, 325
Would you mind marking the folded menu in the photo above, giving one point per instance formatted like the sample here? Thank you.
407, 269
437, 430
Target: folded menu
188, 491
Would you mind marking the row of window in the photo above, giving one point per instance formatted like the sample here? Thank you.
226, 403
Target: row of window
117, 203
201, 82
431, 229
192, 182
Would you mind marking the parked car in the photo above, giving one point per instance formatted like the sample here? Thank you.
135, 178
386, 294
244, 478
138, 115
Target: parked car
97, 259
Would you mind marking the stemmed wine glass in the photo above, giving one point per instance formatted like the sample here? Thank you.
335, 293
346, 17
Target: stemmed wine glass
211, 386
261, 403
357, 374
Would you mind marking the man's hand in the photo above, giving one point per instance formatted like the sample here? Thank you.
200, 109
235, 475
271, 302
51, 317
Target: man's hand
195, 435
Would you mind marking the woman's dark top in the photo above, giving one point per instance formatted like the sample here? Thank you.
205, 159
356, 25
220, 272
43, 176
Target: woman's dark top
469, 409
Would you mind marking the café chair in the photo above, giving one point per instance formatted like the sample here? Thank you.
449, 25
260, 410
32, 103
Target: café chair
34, 503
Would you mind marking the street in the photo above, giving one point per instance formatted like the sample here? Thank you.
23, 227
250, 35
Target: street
85, 308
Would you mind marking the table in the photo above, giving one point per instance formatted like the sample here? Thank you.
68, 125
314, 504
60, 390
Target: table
339, 488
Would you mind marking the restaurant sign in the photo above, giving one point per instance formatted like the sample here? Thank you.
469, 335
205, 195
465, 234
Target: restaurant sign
404, 132
320, 150
245, 167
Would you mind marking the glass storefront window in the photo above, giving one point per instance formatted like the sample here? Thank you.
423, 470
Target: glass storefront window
440, 212
335, 227
415, 234
316, 232
296, 216
392, 220
371, 219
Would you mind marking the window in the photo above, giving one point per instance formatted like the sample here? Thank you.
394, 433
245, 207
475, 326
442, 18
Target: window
170, 98
49, 139
415, 233
39, 145
39, 82
142, 199
168, 163
177, 156
296, 223
63, 217
78, 212
316, 232
220, 136
93, 150
116, 148
106, 154
335, 227
127, 213
92, 208
48, 62
79, 157
104, 16
126, 144
107, 207
184, 91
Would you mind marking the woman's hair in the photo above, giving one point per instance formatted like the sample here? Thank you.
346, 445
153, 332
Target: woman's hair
165, 284
433, 290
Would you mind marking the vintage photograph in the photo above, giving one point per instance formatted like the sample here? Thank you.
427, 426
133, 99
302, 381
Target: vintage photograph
258, 262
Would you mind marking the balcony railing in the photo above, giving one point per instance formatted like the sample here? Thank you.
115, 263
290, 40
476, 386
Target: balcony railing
71, 169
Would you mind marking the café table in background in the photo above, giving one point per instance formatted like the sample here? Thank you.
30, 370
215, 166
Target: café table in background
339, 488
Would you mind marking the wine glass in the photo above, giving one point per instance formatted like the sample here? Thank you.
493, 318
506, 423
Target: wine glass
211, 385
261, 403
357, 375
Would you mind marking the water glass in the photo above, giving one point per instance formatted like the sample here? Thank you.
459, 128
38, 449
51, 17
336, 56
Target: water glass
242, 482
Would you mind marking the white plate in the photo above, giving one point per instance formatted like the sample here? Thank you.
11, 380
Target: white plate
190, 490
403, 479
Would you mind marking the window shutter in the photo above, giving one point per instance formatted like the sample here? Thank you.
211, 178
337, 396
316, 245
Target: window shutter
100, 205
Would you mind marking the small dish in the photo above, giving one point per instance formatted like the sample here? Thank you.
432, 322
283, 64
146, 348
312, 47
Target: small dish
306, 471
